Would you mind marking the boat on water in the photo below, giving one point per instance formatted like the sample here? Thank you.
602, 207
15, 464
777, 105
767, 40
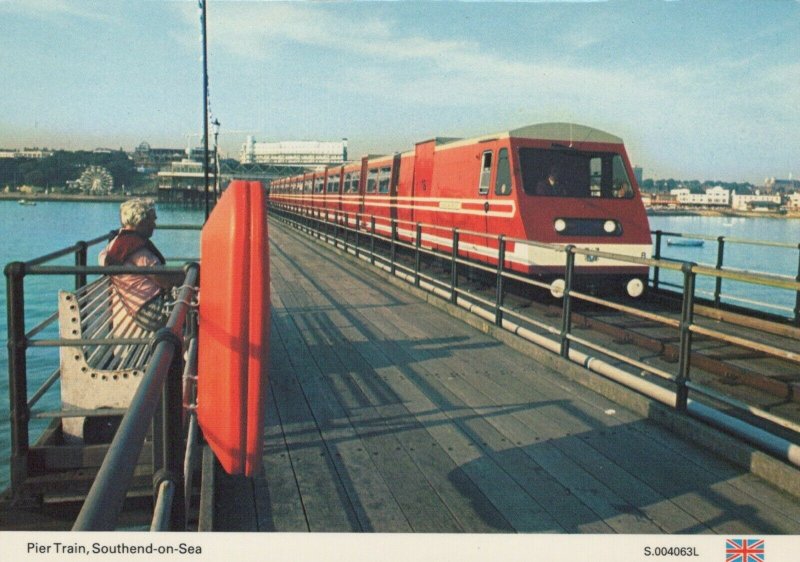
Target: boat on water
26, 202
685, 243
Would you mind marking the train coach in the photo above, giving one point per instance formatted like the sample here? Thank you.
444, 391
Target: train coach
551, 183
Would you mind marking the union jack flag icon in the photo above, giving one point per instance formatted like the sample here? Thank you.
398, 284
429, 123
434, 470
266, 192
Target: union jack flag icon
744, 550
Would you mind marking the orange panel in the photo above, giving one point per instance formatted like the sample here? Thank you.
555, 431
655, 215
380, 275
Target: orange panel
234, 327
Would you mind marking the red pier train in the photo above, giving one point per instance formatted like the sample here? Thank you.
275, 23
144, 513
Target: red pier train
552, 183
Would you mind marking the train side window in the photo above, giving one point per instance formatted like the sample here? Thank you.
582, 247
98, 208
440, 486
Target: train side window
486, 173
307, 186
318, 185
383, 180
356, 177
372, 180
502, 184
333, 184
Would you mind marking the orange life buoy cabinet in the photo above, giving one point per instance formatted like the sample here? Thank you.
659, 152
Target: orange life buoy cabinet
234, 320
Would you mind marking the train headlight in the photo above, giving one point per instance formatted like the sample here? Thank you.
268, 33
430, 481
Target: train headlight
557, 288
560, 225
610, 226
635, 287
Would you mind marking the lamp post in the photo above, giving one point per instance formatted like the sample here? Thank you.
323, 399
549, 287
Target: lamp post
205, 97
216, 124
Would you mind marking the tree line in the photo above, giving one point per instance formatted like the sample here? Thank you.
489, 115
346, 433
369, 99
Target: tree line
63, 166
695, 186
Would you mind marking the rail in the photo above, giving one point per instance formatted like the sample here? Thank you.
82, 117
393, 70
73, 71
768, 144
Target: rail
162, 372
398, 246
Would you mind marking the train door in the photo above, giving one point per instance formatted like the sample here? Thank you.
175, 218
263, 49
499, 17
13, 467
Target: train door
395, 175
484, 187
502, 206
423, 173
362, 187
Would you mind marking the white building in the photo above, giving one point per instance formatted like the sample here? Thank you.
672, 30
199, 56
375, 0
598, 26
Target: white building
793, 202
713, 197
25, 153
293, 153
745, 202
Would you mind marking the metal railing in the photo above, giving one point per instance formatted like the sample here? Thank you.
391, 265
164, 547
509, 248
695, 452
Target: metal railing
163, 380
721, 243
364, 236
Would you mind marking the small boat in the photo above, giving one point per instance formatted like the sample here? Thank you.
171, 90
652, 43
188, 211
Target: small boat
26, 202
686, 243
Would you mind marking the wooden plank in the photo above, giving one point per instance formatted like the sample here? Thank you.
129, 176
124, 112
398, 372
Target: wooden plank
278, 503
205, 521
528, 514
417, 446
371, 500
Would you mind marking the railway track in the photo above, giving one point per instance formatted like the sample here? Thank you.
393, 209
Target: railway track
752, 359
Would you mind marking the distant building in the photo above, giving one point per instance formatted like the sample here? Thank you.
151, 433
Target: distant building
793, 202
749, 202
294, 153
36, 153
186, 175
773, 185
147, 158
716, 196
659, 200
638, 173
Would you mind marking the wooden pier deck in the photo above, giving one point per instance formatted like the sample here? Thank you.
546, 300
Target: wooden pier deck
388, 415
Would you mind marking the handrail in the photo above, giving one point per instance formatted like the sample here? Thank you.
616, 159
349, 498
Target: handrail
709, 237
107, 494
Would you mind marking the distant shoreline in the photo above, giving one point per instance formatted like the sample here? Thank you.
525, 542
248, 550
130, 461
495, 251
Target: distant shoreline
651, 212
16, 196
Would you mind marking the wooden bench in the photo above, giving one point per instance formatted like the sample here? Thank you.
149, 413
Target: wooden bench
95, 374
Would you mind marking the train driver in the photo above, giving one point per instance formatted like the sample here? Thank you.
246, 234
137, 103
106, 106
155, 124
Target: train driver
623, 190
551, 184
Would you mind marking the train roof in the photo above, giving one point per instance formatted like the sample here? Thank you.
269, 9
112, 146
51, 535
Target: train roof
564, 132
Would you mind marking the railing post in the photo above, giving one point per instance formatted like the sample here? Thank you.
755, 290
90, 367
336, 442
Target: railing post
657, 256
372, 241
718, 285
417, 254
358, 228
80, 261
393, 252
797, 297
501, 258
454, 268
687, 317
173, 447
17, 373
566, 318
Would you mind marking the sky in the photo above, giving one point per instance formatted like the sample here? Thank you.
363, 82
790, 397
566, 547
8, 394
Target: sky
696, 89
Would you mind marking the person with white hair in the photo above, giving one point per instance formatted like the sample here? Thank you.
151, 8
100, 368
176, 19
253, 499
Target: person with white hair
142, 297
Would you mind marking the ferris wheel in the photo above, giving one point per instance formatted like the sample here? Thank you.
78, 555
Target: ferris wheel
96, 179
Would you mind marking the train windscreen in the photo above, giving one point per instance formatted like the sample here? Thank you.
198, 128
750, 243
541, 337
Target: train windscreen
573, 173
